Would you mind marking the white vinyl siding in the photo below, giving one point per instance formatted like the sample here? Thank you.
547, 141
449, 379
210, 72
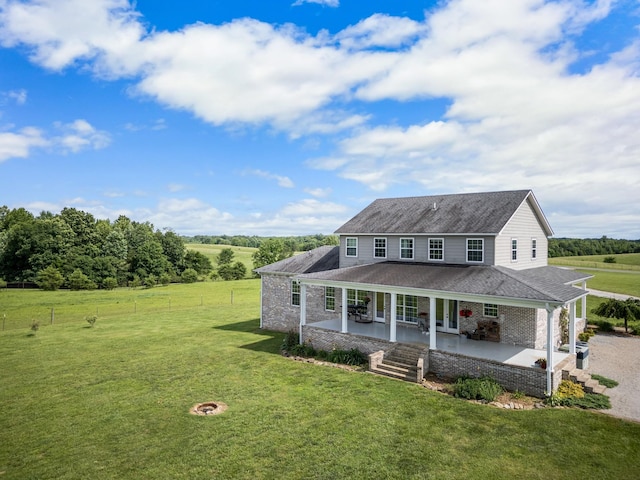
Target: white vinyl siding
524, 224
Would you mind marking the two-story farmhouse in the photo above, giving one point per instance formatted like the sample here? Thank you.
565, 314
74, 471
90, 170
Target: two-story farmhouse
464, 277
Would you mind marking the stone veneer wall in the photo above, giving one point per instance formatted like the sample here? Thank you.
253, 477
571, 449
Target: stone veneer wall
531, 381
327, 340
277, 312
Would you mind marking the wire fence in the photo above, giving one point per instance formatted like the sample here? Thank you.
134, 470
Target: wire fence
79, 309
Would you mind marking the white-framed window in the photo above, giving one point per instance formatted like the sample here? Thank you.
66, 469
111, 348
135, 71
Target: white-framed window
330, 299
407, 308
295, 293
490, 310
514, 249
356, 297
380, 248
475, 250
534, 249
436, 249
352, 247
406, 248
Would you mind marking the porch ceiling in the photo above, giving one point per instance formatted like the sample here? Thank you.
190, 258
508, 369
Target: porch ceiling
537, 286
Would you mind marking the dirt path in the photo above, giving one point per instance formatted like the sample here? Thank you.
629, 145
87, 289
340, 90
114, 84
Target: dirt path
617, 356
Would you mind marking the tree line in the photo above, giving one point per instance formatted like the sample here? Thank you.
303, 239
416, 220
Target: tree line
73, 249
570, 247
294, 244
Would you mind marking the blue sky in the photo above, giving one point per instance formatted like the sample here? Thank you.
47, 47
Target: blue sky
288, 117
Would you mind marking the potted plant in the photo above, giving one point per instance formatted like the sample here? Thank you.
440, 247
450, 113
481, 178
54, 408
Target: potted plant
542, 363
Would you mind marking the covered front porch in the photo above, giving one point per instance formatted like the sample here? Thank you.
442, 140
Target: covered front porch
458, 344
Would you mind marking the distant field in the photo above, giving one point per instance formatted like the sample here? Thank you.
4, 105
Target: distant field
626, 261
242, 254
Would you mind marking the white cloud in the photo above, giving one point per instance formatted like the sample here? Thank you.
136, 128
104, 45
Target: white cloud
79, 135
328, 3
283, 181
176, 187
20, 143
380, 31
319, 192
18, 96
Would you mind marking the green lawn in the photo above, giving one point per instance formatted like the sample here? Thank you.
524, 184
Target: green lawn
619, 282
242, 254
112, 402
624, 261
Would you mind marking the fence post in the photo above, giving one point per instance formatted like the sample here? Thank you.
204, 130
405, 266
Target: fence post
135, 306
231, 297
169, 303
4, 319
52, 315
201, 300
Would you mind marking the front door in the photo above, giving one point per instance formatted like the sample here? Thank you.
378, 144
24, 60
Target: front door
379, 316
446, 315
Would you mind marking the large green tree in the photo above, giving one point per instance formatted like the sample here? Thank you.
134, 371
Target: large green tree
271, 251
627, 310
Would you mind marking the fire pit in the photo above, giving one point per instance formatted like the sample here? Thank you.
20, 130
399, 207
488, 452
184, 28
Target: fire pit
208, 408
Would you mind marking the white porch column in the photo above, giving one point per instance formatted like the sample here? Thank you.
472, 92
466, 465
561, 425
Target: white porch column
550, 336
392, 327
432, 323
303, 309
345, 312
572, 328
584, 303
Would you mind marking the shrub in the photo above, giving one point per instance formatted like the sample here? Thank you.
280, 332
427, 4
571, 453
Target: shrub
347, 357
189, 276
484, 388
568, 389
609, 260
3, 283
79, 281
151, 281
49, 279
603, 325
165, 279
109, 283
291, 339
91, 319
35, 326
586, 335
607, 382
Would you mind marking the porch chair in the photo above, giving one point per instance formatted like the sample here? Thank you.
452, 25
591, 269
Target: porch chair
423, 325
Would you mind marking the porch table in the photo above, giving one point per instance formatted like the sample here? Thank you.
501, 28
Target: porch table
358, 311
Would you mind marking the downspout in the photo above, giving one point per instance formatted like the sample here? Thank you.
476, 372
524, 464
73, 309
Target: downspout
549, 349
303, 309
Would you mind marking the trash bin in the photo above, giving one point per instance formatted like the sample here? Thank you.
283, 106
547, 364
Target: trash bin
582, 356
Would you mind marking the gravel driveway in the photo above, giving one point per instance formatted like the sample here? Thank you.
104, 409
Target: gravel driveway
617, 356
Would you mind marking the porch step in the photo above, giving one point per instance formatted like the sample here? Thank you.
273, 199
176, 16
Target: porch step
401, 362
580, 376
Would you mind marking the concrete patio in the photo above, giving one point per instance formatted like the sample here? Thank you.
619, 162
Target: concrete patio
499, 352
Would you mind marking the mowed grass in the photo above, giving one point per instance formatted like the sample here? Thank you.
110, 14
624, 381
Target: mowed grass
242, 254
619, 282
112, 402
624, 261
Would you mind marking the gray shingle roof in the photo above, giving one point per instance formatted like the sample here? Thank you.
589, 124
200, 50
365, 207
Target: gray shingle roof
540, 285
454, 214
317, 260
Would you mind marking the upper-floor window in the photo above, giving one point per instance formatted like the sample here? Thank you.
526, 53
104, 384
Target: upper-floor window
475, 250
380, 248
352, 247
295, 292
436, 249
406, 248
490, 310
330, 298
534, 249
514, 249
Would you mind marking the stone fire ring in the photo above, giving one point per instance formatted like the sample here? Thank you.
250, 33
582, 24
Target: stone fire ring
208, 408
